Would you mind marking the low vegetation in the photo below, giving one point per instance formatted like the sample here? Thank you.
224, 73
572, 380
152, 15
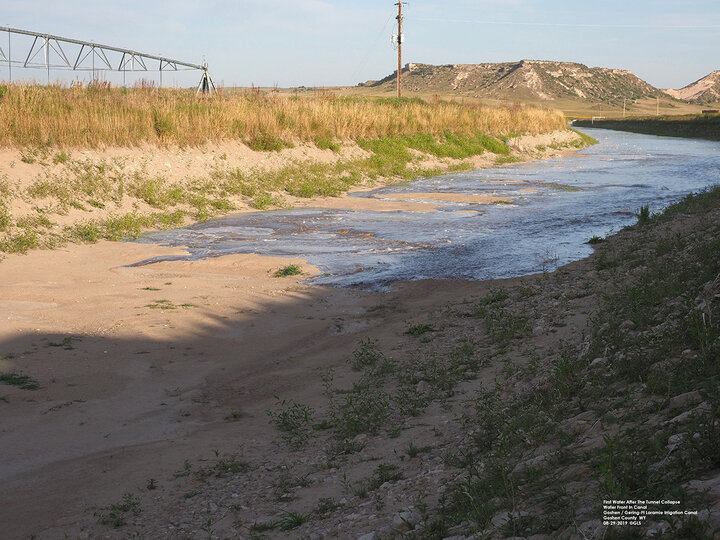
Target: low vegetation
700, 126
289, 270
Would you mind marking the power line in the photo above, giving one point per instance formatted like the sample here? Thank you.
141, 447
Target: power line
364, 61
578, 25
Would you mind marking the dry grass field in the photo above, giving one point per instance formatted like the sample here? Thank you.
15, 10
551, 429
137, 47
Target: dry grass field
77, 117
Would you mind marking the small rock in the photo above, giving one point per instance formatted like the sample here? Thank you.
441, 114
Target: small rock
368, 536
385, 532
423, 387
627, 325
685, 400
657, 529
406, 519
530, 463
590, 529
538, 330
587, 416
680, 418
688, 353
675, 440
598, 362
504, 517
360, 438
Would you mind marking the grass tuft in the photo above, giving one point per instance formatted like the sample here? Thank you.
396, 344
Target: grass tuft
289, 270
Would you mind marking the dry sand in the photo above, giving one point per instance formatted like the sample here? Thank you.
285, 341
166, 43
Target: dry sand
130, 390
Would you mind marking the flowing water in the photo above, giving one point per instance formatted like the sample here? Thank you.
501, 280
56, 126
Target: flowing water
557, 206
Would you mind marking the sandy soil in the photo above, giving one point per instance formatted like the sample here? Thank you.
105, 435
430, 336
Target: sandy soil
123, 378
447, 197
142, 368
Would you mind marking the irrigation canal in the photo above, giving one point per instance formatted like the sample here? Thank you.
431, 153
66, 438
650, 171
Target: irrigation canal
557, 206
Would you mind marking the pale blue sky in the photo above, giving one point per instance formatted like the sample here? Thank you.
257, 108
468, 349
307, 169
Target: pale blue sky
669, 43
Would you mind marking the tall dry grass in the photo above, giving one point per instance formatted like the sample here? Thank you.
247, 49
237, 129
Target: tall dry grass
80, 117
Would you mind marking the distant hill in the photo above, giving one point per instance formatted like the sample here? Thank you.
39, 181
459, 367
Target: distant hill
525, 80
706, 90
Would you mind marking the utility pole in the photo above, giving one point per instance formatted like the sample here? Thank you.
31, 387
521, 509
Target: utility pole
399, 44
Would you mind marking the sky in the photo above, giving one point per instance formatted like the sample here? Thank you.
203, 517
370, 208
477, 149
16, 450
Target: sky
668, 43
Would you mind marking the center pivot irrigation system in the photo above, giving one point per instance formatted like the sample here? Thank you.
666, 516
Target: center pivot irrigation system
48, 51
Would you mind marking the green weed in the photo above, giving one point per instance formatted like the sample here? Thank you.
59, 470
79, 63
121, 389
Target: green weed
366, 355
291, 520
364, 410
223, 467
24, 382
420, 329
294, 421
264, 142
115, 515
643, 215
289, 270
5, 218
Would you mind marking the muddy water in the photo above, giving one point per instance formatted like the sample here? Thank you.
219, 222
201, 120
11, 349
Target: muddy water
557, 205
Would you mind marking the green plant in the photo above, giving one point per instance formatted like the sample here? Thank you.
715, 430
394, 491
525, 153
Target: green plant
327, 506
419, 329
364, 410
162, 304
413, 451
24, 382
263, 527
291, 520
289, 270
207, 527
265, 142
223, 467
87, 231
21, 242
643, 215
285, 483
5, 218
294, 421
383, 473
115, 515
366, 355
163, 124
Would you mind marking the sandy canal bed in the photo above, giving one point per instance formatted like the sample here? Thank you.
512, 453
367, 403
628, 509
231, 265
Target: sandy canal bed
143, 368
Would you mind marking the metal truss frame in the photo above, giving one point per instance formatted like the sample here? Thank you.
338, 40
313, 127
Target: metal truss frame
49, 51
